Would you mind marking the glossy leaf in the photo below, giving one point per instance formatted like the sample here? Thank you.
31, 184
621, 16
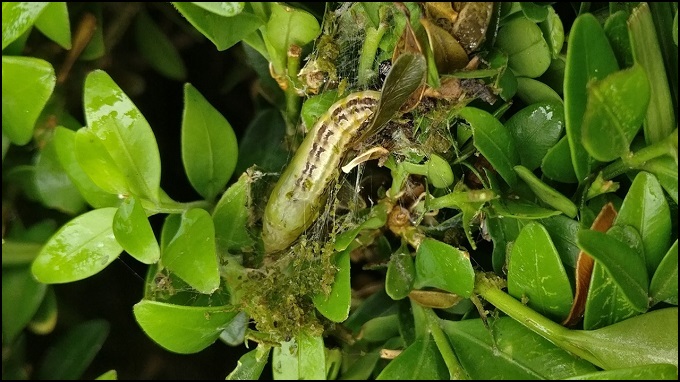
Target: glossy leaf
377, 305
111, 375
521, 209
81, 248
21, 298
123, 133
182, 329
53, 184
27, 84
616, 29
494, 141
532, 91
336, 305
536, 129
17, 18
191, 252
304, 361
666, 171
535, 272
553, 31
421, 360
133, 232
70, 356
494, 353
157, 49
547, 194
222, 8
251, 364
54, 23
557, 164
645, 372
209, 147
224, 32
503, 232
400, 274
534, 11
645, 209
445, 267
231, 216
65, 144
589, 57
606, 305
664, 285
288, 26
316, 105
614, 113
380, 329
625, 266
528, 53
563, 232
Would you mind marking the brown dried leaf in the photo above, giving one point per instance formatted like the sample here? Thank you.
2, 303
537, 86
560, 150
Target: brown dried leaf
449, 55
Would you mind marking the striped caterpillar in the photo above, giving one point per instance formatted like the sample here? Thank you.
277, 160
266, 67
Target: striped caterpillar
300, 192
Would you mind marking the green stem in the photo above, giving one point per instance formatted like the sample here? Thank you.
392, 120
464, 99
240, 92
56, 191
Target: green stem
668, 146
293, 100
456, 371
368, 51
455, 199
178, 208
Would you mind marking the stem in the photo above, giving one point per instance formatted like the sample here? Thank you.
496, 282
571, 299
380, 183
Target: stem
668, 146
455, 199
368, 51
456, 371
178, 208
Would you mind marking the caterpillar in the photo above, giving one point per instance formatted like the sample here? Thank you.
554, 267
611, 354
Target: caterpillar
301, 191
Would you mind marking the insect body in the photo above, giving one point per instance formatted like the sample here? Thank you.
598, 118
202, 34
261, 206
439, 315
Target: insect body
295, 202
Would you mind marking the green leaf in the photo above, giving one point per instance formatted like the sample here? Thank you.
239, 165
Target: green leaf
528, 53
400, 274
288, 26
375, 218
157, 49
27, 84
124, 133
557, 164
421, 360
380, 329
81, 248
98, 165
553, 31
251, 364
231, 216
65, 143
494, 141
45, 319
536, 129
17, 18
261, 143
70, 356
336, 305
111, 375
305, 361
54, 23
606, 304
616, 29
639, 373
607, 131
521, 209
222, 8
535, 272
191, 252
589, 57
316, 105
377, 305
224, 32
534, 12
664, 285
503, 232
660, 119
182, 329
18, 253
133, 232
507, 350
563, 233
21, 298
442, 266
532, 91
209, 147
666, 171
645, 209
547, 194
53, 184
625, 266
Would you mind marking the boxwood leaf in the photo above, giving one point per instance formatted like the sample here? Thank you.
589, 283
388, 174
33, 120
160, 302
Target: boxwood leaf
224, 32
644, 372
53, 184
305, 361
133, 231
157, 49
421, 360
521, 209
17, 18
336, 305
491, 353
589, 57
625, 266
442, 266
536, 129
494, 141
45, 319
557, 164
209, 147
261, 143
616, 29
553, 31
535, 272
81, 248
54, 23
664, 285
98, 165
231, 216
645, 209
222, 8
288, 26
191, 252
528, 53
503, 232
111, 375
21, 298
400, 274
547, 194
251, 364
182, 329
27, 84
124, 133
666, 171
614, 113
532, 91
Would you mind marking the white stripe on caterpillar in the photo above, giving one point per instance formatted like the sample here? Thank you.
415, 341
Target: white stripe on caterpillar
300, 192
